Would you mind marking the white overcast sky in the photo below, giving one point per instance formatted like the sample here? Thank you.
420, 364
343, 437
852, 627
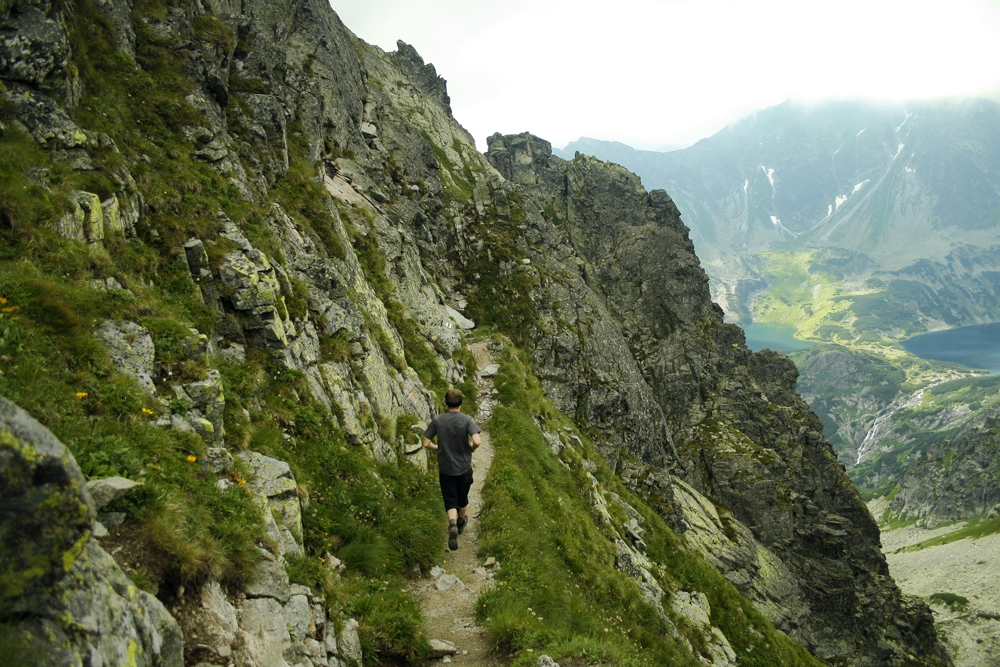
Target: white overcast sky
654, 73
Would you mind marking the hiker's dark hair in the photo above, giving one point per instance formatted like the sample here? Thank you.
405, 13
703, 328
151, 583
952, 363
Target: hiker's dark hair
453, 398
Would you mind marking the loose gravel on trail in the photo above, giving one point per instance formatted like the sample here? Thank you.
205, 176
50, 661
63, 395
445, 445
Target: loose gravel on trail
450, 614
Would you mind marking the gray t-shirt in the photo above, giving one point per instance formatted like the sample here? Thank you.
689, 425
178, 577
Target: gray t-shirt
453, 430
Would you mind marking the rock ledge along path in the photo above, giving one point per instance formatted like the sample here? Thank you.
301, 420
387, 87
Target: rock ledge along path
448, 596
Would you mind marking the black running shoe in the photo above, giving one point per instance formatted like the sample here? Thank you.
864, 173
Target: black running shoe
453, 538
461, 523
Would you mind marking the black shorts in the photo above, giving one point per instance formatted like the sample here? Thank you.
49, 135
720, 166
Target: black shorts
455, 490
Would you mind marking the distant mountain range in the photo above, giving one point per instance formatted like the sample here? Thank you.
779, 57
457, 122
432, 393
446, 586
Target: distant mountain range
903, 193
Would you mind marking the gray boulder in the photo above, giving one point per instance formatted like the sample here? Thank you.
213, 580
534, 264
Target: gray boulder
60, 587
108, 490
439, 648
130, 347
46, 513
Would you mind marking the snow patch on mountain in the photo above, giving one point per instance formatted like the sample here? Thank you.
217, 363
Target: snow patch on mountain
780, 227
769, 173
858, 187
904, 120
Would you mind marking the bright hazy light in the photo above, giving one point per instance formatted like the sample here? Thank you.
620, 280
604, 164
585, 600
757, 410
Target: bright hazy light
671, 72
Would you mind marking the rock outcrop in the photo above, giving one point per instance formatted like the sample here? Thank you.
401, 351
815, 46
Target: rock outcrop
671, 388
953, 479
61, 592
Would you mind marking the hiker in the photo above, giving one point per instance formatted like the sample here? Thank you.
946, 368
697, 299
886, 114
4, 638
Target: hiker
454, 461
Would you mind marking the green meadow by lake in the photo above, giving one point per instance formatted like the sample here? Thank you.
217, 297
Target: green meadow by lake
777, 337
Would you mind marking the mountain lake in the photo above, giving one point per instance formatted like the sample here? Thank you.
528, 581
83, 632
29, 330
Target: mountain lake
977, 346
778, 337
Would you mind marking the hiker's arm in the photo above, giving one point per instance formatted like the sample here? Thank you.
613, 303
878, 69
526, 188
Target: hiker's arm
429, 445
475, 442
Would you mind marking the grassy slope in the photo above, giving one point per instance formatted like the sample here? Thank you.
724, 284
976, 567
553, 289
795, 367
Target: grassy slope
559, 592
52, 365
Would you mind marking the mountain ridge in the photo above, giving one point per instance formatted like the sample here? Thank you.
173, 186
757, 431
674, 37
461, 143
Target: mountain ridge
885, 181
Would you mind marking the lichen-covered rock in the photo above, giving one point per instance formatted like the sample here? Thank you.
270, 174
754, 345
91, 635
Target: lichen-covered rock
57, 586
46, 514
263, 635
86, 221
130, 347
205, 402
34, 48
693, 606
97, 616
731, 547
274, 486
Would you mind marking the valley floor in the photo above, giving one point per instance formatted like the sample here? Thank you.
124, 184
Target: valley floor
966, 569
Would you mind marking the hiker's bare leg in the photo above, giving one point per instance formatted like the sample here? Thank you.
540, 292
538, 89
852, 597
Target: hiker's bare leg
461, 512
453, 514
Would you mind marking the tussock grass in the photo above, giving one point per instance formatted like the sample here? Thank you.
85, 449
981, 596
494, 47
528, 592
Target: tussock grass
978, 527
558, 591
52, 366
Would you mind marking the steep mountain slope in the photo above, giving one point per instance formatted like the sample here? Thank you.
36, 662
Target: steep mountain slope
724, 422
908, 188
241, 250
952, 479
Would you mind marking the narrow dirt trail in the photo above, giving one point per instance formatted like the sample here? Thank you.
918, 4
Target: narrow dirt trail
450, 614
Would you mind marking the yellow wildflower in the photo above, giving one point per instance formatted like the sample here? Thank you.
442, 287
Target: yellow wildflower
192, 458
81, 394
9, 309
147, 411
3, 300
239, 479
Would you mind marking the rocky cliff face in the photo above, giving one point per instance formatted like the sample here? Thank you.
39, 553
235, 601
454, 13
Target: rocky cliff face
328, 215
646, 343
953, 479
878, 182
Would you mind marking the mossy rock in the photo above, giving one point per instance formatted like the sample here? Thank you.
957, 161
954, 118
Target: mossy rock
46, 513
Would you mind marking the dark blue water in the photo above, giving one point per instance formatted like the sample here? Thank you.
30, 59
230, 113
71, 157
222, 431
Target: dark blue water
977, 346
777, 337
